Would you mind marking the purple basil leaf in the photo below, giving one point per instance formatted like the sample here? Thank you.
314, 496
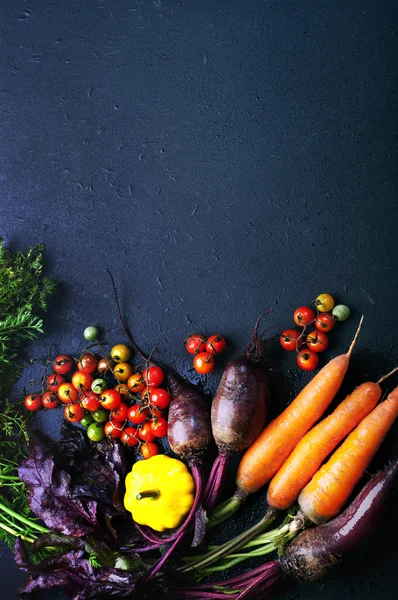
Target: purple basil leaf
51, 494
74, 573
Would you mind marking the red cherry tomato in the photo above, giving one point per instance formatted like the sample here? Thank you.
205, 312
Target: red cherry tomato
129, 436
216, 344
73, 413
90, 402
145, 432
110, 399
120, 413
88, 363
303, 316
63, 364
159, 427
135, 383
67, 393
82, 381
137, 414
149, 449
153, 376
54, 381
324, 322
159, 397
33, 402
113, 430
50, 400
155, 412
203, 363
290, 341
307, 360
195, 343
317, 341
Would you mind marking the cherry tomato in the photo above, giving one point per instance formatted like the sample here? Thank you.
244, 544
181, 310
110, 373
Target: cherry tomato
195, 343
317, 341
90, 402
136, 383
33, 402
129, 436
105, 365
101, 415
88, 363
145, 432
153, 376
137, 414
73, 413
95, 432
50, 400
216, 344
324, 303
122, 389
82, 381
123, 371
341, 312
159, 427
54, 381
91, 333
303, 316
113, 430
63, 364
290, 341
67, 393
110, 399
324, 322
155, 412
120, 413
120, 353
203, 363
307, 360
99, 385
87, 420
149, 449
159, 397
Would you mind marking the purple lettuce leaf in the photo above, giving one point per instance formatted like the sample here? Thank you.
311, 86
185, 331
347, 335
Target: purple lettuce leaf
51, 493
74, 573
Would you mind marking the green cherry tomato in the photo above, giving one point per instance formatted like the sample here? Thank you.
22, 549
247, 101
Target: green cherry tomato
95, 432
87, 420
101, 415
341, 312
98, 386
91, 333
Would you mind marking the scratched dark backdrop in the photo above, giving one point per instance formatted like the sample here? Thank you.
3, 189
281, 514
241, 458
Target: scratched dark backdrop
221, 158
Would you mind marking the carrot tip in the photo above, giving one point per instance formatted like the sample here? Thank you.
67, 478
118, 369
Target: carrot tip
351, 348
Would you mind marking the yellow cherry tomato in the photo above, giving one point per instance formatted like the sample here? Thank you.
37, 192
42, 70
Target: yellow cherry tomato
120, 353
324, 303
123, 371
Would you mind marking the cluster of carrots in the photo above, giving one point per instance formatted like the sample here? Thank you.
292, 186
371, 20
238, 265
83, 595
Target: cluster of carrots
290, 451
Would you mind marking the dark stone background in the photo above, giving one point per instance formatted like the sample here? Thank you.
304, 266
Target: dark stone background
221, 158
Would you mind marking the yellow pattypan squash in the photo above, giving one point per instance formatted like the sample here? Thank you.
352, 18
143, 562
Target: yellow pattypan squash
159, 492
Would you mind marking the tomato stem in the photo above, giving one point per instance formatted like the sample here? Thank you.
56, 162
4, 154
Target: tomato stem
148, 494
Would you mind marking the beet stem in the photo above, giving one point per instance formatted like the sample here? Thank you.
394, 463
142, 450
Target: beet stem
233, 545
216, 480
226, 509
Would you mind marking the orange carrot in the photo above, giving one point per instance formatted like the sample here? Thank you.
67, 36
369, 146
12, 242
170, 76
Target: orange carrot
270, 450
329, 489
318, 443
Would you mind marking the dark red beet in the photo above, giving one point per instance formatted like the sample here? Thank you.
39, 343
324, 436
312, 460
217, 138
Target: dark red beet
239, 410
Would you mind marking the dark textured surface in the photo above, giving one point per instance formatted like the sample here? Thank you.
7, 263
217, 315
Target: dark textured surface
221, 158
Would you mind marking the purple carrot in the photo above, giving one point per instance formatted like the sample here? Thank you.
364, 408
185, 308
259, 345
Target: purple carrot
316, 551
239, 410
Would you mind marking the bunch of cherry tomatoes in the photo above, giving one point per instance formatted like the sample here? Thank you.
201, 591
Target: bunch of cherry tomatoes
108, 396
324, 320
205, 349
